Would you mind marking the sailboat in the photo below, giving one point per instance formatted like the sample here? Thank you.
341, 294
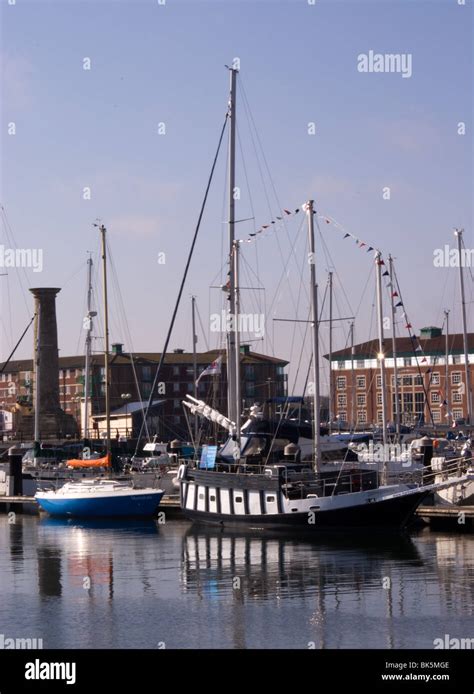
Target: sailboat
253, 492
100, 497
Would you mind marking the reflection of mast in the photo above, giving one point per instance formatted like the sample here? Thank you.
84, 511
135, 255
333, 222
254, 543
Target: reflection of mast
49, 571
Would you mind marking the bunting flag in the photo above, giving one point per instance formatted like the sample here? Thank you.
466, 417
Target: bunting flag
394, 294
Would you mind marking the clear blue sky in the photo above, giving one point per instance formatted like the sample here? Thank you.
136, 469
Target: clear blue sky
153, 63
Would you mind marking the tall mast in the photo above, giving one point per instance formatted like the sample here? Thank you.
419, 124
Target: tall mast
103, 232
231, 349
353, 395
459, 233
396, 410
331, 414
446, 367
315, 334
193, 312
238, 397
88, 326
37, 375
381, 354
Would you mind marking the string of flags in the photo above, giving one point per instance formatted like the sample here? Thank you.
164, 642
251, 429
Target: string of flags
362, 245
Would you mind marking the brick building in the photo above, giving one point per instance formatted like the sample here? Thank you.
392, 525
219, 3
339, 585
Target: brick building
356, 380
132, 375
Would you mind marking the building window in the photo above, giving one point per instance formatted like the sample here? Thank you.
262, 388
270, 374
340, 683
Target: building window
68, 373
177, 419
456, 359
435, 397
407, 361
456, 377
250, 372
146, 389
456, 396
341, 364
191, 387
418, 380
176, 404
379, 416
360, 382
341, 400
435, 379
407, 380
175, 370
342, 416
436, 416
379, 398
361, 400
68, 390
341, 383
146, 373
457, 414
379, 381
175, 387
360, 363
250, 389
362, 417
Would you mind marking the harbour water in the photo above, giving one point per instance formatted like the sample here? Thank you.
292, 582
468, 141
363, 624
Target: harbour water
145, 585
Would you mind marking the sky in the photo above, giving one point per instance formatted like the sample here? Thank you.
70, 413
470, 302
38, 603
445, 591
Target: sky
65, 129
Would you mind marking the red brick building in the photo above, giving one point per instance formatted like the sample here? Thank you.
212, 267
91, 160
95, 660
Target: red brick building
132, 375
356, 380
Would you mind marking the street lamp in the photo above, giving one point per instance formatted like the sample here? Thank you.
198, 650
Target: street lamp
126, 397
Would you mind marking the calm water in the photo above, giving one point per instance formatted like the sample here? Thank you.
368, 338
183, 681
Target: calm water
177, 584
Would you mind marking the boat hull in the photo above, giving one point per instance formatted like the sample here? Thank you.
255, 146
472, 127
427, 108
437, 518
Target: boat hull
395, 513
123, 506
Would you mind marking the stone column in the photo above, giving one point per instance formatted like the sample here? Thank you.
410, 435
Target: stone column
46, 341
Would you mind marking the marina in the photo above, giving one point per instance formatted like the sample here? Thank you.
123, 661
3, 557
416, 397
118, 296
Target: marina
236, 343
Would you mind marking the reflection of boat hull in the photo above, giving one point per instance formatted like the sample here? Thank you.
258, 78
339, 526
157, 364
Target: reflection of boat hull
116, 504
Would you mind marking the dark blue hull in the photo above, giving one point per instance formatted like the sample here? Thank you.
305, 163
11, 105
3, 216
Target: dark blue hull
133, 505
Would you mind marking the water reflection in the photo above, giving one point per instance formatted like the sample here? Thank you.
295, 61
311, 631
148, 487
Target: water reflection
135, 583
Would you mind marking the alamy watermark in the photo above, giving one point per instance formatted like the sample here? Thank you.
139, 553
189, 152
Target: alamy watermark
245, 322
22, 257
454, 644
450, 257
13, 643
385, 62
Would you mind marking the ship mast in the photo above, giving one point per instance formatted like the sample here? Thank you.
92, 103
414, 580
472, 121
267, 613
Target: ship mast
314, 334
232, 404
87, 365
103, 232
396, 410
381, 356
458, 233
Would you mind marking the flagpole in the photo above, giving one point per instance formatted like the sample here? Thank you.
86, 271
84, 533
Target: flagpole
331, 415
238, 397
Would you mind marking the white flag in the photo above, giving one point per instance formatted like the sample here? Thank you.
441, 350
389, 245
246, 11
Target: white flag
213, 368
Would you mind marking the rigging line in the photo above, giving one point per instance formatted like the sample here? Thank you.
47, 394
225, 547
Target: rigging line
369, 279
418, 367
204, 335
248, 111
125, 330
5, 364
10, 313
11, 240
301, 275
333, 265
252, 209
183, 281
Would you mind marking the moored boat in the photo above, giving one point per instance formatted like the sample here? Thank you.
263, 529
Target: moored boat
100, 498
